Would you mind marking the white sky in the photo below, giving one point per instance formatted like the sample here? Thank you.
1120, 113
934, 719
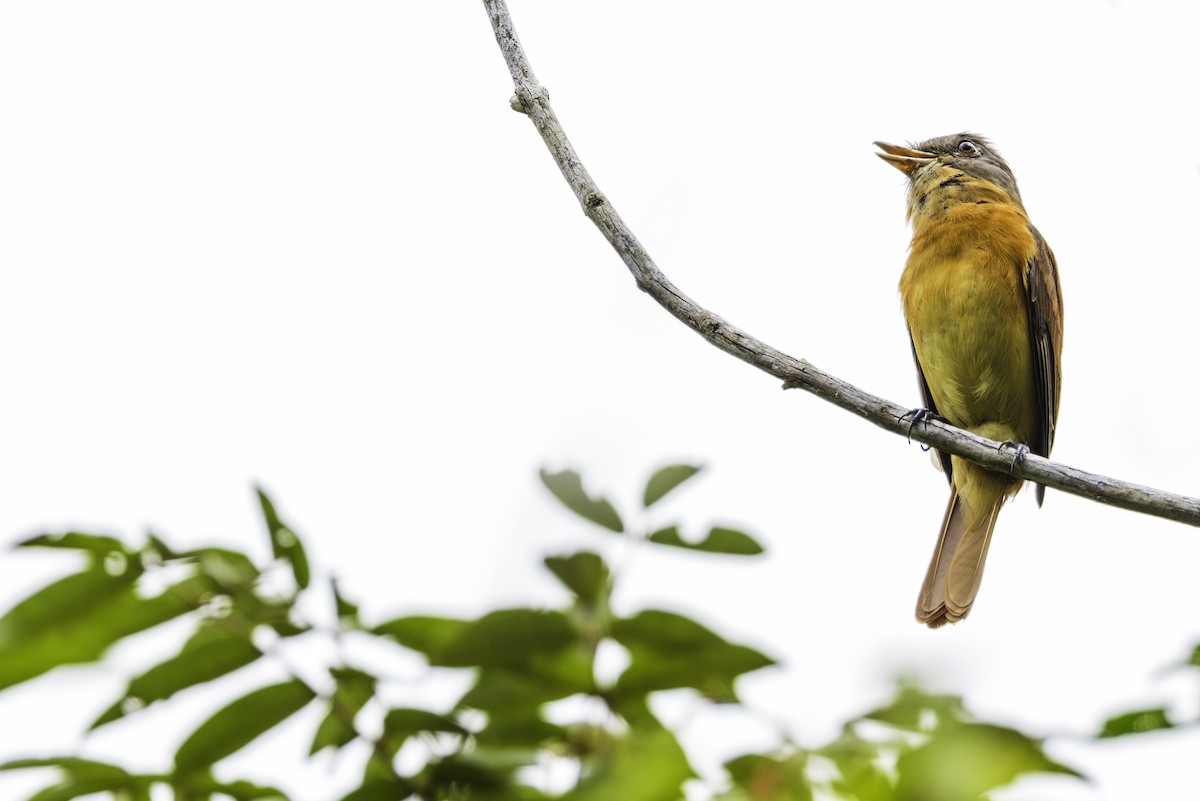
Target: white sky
309, 244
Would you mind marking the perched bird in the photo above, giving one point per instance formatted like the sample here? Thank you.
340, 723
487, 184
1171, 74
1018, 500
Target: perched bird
984, 309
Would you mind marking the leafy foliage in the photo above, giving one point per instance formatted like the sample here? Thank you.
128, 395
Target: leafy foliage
520, 660
919, 747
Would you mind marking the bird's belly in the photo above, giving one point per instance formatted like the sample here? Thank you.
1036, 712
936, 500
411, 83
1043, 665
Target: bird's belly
970, 330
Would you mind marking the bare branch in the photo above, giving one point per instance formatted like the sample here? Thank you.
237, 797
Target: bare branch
533, 100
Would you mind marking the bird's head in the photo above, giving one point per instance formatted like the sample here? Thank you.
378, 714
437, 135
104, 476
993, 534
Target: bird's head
967, 153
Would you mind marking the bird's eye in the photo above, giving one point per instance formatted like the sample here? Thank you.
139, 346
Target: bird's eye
968, 148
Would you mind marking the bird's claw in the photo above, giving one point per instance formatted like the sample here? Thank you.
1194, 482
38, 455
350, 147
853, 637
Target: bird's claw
1020, 451
918, 415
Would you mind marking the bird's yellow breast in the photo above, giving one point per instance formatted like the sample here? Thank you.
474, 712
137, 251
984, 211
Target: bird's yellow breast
965, 301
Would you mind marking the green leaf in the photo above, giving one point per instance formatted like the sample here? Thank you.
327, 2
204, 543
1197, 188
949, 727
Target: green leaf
333, 732
212, 652
767, 778
527, 656
379, 768
567, 486
76, 619
70, 789
411, 721
98, 546
347, 612
156, 547
508, 637
381, 790
647, 764
59, 603
466, 777
400, 724
1142, 720
522, 730
239, 723
428, 635
719, 540
201, 785
669, 651
916, 710
584, 574
863, 781
498, 689
967, 760
230, 571
251, 610
81, 777
352, 691
285, 543
665, 480
858, 761
71, 766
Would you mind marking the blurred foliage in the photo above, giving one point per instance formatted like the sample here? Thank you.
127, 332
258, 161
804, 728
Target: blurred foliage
496, 743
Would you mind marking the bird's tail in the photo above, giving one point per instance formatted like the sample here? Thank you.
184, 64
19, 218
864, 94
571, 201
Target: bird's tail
957, 566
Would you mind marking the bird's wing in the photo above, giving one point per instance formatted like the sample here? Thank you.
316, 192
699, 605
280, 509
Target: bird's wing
927, 400
1044, 301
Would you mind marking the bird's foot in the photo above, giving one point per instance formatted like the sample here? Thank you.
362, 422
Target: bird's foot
1020, 451
919, 415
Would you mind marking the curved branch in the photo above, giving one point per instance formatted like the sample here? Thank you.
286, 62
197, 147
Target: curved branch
533, 100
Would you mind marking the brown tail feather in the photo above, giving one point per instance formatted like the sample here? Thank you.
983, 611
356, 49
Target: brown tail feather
956, 569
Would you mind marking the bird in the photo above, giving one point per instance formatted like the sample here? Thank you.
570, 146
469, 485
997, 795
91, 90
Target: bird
983, 305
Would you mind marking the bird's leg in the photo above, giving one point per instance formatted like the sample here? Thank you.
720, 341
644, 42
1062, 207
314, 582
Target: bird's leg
919, 415
1020, 451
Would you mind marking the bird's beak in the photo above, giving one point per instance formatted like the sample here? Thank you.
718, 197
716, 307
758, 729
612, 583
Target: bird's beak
904, 159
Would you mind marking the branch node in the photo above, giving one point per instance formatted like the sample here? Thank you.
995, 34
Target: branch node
709, 324
528, 94
593, 199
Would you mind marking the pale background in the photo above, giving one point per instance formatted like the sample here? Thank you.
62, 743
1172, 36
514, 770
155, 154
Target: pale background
309, 244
